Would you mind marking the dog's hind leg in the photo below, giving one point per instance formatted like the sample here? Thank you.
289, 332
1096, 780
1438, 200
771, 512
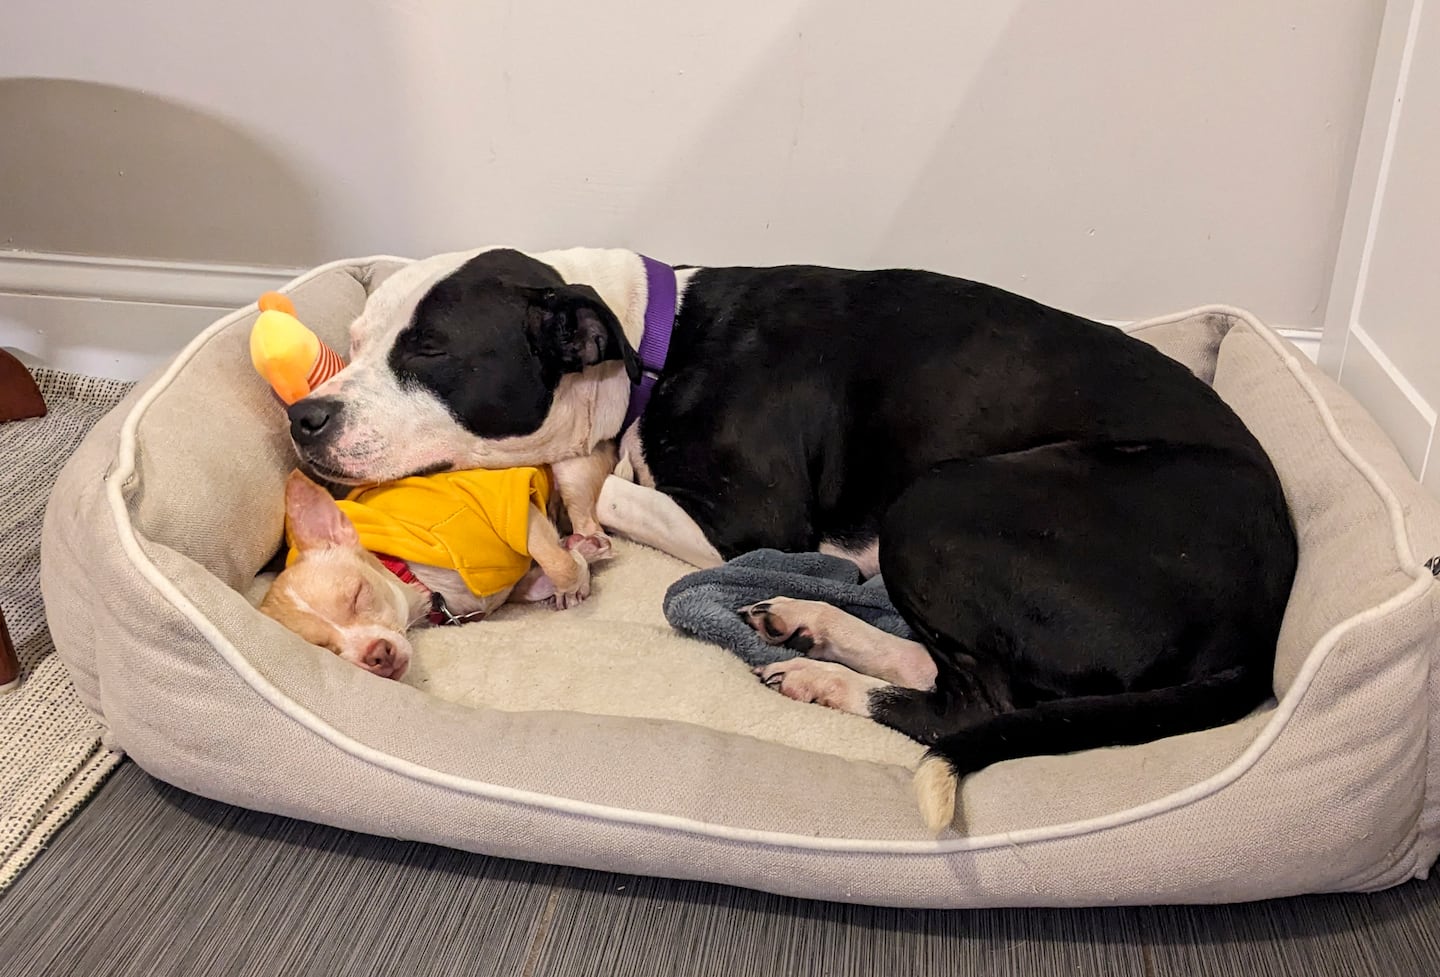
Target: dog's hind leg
536, 586
924, 715
824, 683
1089, 595
824, 632
565, 567
655, 519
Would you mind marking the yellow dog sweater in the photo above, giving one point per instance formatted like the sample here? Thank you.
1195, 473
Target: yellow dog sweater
473, 522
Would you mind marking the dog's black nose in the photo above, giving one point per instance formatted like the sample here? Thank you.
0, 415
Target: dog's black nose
312, 419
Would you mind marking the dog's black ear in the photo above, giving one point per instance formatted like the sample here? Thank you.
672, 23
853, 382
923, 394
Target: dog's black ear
570, 327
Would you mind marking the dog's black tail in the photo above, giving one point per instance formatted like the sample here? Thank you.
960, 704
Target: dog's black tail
1082, 723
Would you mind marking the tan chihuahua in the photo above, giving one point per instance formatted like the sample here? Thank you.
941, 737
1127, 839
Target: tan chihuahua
357, 604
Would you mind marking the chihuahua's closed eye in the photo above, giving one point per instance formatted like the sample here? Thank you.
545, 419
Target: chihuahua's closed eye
337, 594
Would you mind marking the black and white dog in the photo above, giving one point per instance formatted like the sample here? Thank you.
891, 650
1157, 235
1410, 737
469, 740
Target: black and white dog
1090, 545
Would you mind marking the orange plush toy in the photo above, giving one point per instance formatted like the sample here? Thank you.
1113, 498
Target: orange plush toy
291, 358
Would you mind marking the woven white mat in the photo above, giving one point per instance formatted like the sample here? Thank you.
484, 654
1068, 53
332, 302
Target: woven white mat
51, 759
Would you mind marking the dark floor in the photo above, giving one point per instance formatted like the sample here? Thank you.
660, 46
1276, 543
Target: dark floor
149, 881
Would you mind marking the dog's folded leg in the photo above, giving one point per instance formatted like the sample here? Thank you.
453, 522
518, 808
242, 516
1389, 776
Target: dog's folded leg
578, 481
535, 586
825, 632
566, 568
653, 518
828, 684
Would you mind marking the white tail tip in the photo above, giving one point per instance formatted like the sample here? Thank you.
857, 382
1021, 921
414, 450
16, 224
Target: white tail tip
935, 789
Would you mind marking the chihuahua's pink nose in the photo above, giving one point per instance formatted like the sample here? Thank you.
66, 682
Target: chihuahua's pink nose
379, 654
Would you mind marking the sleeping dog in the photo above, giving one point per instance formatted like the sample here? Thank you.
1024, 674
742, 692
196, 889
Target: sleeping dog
443, 549
1089, 545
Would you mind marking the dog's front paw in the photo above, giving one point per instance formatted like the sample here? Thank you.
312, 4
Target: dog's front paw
574, 596
796, 624
821, 682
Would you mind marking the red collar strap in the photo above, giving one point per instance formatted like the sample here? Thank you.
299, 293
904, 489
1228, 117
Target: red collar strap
440, 612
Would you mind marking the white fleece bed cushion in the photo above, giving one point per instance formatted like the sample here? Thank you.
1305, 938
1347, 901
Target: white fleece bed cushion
599, 738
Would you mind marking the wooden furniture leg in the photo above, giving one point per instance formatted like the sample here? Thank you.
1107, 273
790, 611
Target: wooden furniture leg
9, 663
20, 398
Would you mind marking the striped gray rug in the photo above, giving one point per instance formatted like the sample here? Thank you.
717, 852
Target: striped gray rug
51, 744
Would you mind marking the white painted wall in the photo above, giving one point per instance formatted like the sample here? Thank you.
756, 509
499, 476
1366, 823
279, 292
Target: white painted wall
1117, 157
1382, 332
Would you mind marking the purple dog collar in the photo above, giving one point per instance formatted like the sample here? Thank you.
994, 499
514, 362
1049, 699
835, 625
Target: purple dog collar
655, 339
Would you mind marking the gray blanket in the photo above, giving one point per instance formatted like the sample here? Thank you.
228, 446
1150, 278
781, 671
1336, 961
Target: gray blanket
705, 604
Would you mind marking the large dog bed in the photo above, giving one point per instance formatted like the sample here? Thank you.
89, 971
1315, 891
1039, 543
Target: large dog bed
597, 737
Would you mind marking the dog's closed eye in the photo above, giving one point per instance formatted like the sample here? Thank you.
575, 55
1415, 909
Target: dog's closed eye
360, 600
425, 346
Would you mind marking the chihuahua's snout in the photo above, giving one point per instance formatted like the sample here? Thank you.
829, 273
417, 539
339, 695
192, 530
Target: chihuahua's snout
313, 419
379, 654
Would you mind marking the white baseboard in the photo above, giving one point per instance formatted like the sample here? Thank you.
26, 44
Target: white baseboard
1306, 340
1393, 401
116, 317
137, 280
124, 317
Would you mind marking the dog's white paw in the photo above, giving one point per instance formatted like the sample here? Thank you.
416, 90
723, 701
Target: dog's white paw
796, 624
624, 469
825, 683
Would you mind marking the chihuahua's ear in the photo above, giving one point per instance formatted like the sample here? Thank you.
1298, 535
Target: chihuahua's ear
315, 521
570, 327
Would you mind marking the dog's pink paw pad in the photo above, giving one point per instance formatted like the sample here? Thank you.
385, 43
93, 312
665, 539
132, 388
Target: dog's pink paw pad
593, 548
